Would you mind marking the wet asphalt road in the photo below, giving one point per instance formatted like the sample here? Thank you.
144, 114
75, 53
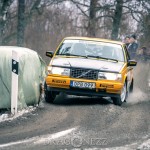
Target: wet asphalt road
93, 119
81, 123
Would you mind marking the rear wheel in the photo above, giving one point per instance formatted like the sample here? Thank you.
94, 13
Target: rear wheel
122, 97
49, 95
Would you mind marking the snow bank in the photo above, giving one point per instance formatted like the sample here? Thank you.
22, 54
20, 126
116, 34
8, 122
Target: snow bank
6, 116
31, 74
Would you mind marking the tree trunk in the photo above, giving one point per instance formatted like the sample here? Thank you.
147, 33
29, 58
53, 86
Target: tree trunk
92, 19
4, 8
21, 23
1, 28
117, 19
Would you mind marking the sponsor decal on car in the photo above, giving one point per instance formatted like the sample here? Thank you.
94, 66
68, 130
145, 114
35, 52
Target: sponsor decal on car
106, 86
59, 81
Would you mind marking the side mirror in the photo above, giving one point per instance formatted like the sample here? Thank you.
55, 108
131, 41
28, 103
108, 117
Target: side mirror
132, 63
49, 54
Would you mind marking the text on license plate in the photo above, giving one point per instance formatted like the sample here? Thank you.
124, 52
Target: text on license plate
89, 85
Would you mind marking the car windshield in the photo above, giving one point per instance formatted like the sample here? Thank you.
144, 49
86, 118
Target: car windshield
95, 49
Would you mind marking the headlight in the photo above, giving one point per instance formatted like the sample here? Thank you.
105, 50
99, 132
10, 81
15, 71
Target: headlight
58, 71
109, 76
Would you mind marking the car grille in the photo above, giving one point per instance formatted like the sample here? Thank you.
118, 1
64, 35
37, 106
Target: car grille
84, 73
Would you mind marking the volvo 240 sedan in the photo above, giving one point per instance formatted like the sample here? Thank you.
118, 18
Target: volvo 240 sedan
90, 67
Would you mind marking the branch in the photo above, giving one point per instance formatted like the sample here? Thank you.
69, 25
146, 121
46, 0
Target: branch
133, 12
35, 6
79, 3
5, 8
9, 38
82, 11
108, 16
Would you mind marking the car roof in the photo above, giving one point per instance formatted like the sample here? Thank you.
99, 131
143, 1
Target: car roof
95, 39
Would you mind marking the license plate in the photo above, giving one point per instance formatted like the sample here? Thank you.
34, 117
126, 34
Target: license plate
87, 85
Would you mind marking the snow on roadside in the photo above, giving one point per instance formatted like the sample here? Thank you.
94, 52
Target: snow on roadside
144, 146
7, 116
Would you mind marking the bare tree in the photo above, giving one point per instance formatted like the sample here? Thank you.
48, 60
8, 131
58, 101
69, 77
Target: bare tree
21, 22
117, 19
144, 22
24, 17
101, 14
88, 9
97, 10
49, 29
91, 29
96, 18
4, 9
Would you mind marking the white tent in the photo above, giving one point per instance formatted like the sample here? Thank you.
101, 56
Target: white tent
31, 73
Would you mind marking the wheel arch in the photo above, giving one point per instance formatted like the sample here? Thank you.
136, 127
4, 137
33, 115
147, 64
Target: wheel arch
125, 80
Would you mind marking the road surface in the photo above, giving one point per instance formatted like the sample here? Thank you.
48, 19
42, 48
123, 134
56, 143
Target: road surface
82, 123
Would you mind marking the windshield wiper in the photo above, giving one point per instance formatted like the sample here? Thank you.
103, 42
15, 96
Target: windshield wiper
111, 59
99, 57
68, 54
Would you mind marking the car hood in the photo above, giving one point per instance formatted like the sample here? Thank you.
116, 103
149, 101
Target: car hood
87, 63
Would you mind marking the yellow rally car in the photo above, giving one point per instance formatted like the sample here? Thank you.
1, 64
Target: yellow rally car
90, 67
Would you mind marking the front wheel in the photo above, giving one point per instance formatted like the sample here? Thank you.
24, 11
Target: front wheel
131, 87
49, 95
122, 97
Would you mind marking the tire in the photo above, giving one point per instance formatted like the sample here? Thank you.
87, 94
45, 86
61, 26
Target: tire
131, 86
122, 97
49, 95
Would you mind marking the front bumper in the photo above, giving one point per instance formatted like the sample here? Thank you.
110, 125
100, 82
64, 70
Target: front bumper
103, 87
